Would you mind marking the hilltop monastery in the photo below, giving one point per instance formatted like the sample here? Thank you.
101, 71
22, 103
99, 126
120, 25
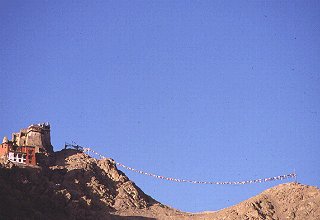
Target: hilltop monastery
24, 145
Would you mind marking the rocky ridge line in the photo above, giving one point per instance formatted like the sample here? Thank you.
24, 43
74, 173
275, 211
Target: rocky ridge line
71, 185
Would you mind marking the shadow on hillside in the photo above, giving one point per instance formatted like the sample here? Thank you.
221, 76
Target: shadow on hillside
25, 194
117, 217
28, 193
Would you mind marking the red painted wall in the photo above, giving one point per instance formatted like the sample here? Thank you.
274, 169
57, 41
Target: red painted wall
4, 149
31, 154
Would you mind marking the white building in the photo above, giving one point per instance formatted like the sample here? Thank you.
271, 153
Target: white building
17, 157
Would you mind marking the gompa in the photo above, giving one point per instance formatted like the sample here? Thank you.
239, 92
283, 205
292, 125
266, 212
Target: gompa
24, 145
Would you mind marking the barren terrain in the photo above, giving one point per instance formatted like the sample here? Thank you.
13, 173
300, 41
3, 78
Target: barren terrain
71, 185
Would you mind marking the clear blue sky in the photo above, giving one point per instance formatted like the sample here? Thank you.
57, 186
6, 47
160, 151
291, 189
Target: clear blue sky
206, 90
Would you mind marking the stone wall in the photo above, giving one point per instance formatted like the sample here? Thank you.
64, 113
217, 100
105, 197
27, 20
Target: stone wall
35, 135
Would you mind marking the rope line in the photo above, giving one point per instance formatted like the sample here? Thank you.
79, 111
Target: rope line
281, 177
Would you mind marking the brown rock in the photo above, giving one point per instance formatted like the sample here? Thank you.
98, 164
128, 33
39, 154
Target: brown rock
72, 185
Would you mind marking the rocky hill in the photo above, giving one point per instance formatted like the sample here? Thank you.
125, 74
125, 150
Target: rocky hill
285, 201
71, 185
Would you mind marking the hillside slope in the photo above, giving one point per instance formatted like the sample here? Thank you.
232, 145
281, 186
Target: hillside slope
72, 185
285, 201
